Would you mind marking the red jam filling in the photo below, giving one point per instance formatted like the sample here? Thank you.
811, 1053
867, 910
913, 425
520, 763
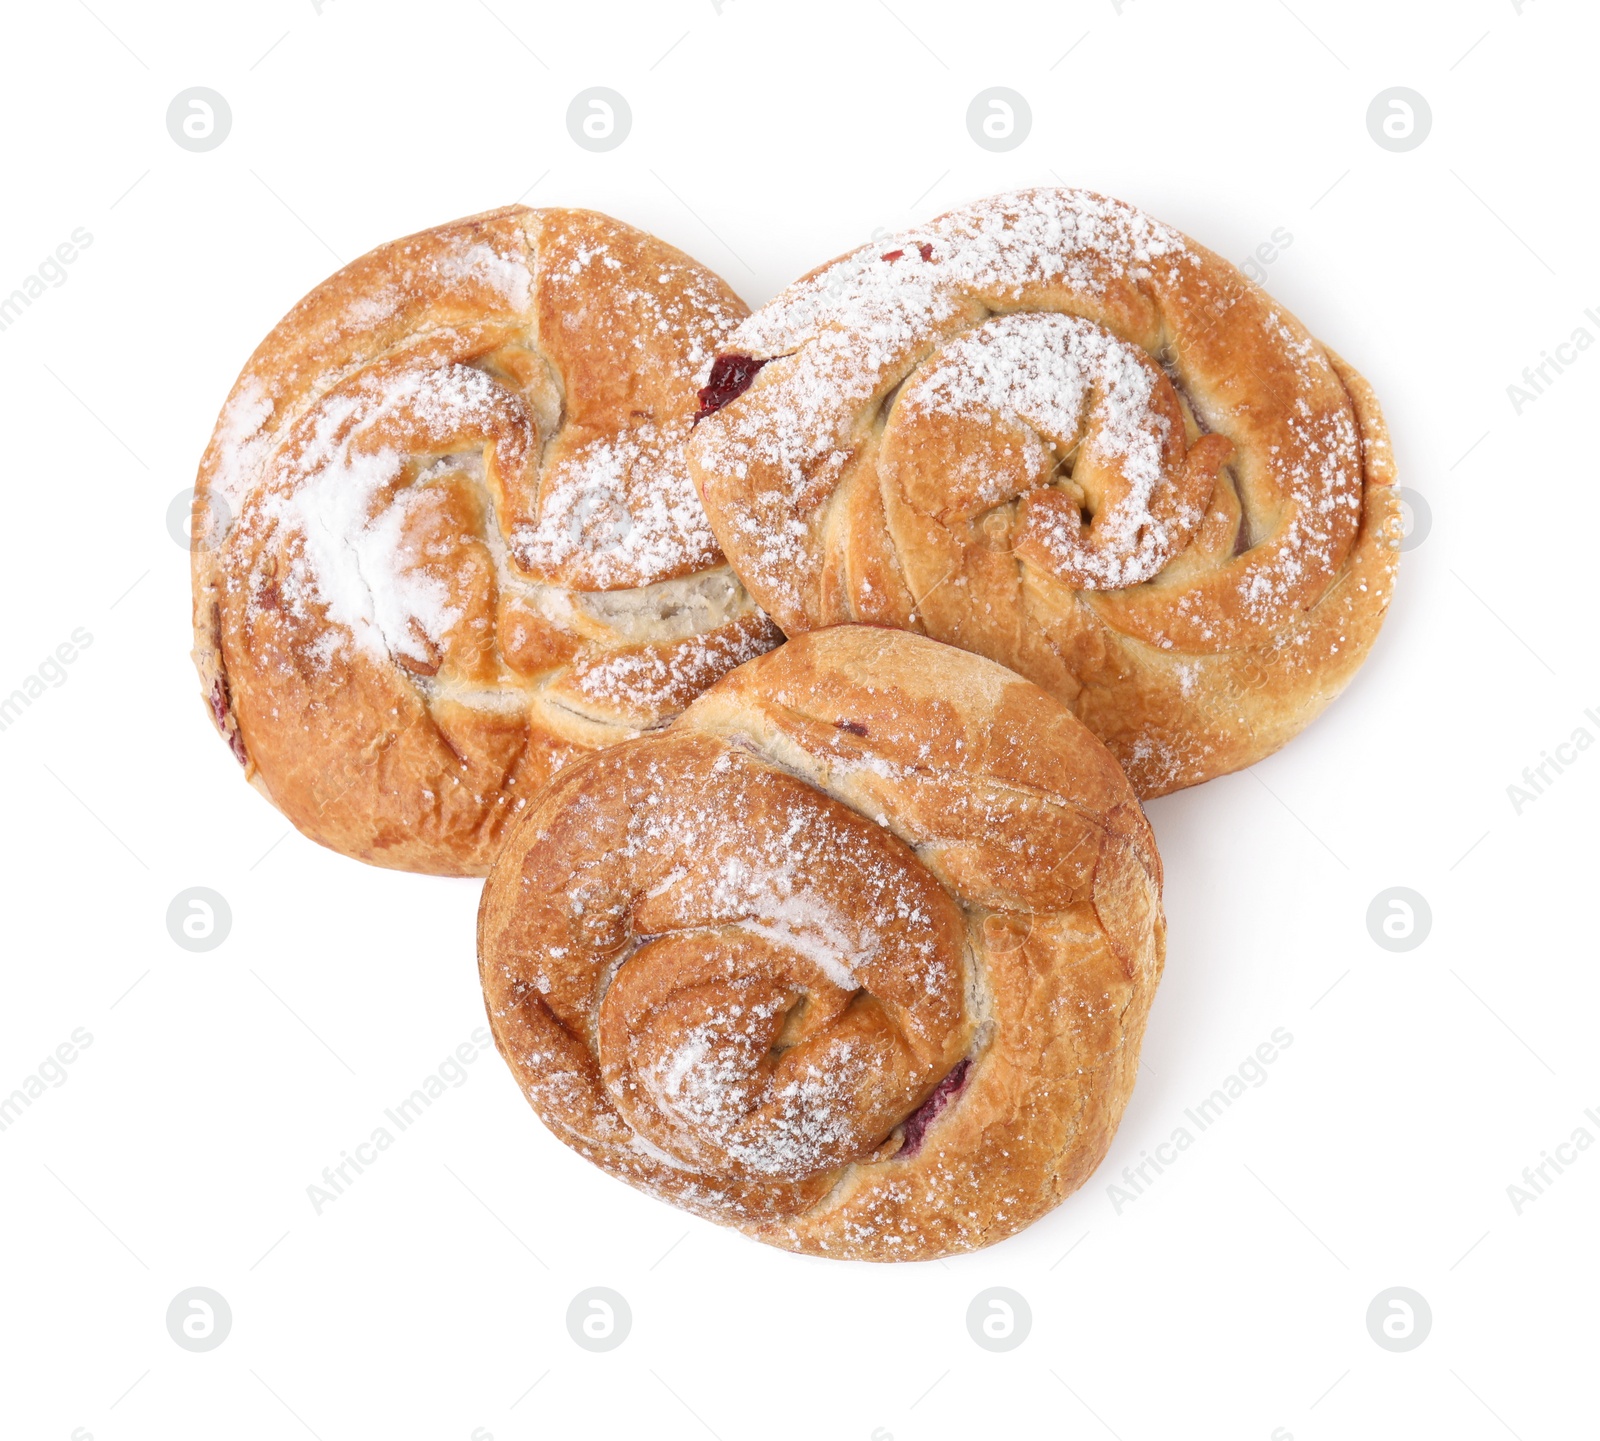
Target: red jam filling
221, 705
917, 1123
730, 378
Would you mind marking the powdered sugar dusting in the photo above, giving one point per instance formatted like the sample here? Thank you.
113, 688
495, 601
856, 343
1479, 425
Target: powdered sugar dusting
355, 558
853, 331
1071, 381
624, 505
349, 534
722, 930
712, 1081
997, 248
767, 883
241, 443
481, 262
642, 678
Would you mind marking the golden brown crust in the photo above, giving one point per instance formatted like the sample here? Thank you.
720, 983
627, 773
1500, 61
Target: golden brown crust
450, 540
1052, 431
855, 956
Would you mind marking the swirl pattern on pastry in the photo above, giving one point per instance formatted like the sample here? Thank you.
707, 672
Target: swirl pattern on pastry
1051, 430
445, 535
854, 956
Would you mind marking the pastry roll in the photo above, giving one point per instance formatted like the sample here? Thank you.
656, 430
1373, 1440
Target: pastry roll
854, 956
1051, 430
445, 539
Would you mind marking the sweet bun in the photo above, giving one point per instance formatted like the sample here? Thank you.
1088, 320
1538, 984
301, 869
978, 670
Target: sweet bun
444, 536
854, 956
1051, 430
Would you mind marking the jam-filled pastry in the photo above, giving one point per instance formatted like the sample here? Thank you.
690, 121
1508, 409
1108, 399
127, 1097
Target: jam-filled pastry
854, 956
1051, 430
445, 539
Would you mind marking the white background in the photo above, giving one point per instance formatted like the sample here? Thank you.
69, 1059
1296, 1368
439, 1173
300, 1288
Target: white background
1229, 1300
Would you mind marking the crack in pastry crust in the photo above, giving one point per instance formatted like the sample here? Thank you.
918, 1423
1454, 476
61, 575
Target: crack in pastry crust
855, 955
461, 545
1050, 430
